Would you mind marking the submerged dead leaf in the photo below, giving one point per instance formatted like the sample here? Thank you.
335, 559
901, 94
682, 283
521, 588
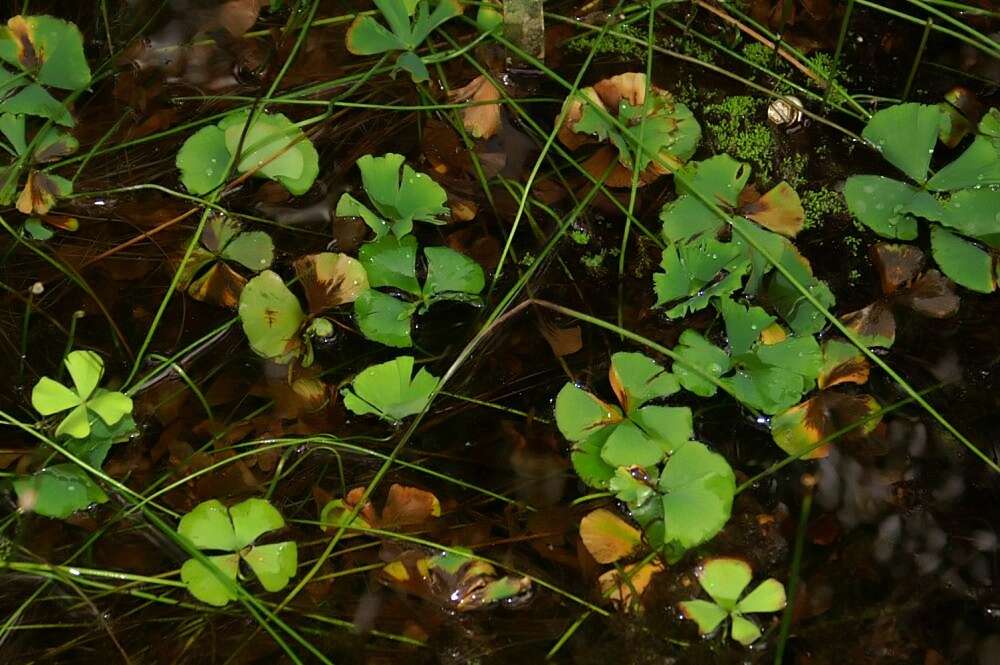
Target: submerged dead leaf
874, 324
933, 295
483, 119
803, 426
406, 506
619, 587
563, 341
896, 265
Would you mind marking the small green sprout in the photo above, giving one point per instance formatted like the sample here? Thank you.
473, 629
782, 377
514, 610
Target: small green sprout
725, 579
86, 369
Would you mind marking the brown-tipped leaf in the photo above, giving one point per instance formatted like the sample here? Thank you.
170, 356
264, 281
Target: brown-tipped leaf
897, 265
779, 210
330, 279
608, 537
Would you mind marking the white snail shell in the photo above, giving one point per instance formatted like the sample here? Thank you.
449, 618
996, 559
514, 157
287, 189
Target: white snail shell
785, 111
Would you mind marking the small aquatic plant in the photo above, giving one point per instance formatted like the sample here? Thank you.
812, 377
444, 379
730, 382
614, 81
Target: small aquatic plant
724, 580
273, 147
390, 390
391, 262
410, 23
960, 199
653, 132
212, 527
680, 504
400, 198
85, 401
209, 276
47, 54
272, 317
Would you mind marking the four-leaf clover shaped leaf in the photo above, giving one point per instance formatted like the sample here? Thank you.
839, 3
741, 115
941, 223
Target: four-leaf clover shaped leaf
86, 369
208, 275
390, 262
725, 579
210, 526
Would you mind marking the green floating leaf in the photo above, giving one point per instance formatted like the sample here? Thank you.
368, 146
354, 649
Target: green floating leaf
698, 486
13, 128
273, 147
384, 319
451, 274
57, 491
388, 391
882, 204
203, 582
587, 461
580, 415
906, 134
977, 166
271, 317
86, 369
391, 261
95, 447
636, 379
202, 160
33, 99
963, 262
401, 198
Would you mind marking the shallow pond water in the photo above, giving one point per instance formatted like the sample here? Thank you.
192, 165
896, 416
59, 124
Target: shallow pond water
890, 542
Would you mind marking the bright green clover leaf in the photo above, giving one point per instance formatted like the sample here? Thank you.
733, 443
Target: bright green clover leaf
86, 369
273, 147
57, 491
605, 438
272, 317
211, 526
208, 275
697, 265
767, 377
410, 22
399, 199
390, 390
965, 201
390, 261
725, 580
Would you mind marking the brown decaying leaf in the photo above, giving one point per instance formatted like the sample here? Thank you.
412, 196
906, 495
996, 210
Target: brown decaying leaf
608, 537
406, 506
38, 195
26, 54
618, 588
875, 320
933, 295
896, 265
563, 341
330, 279
778, 210
221, 285
238, 16
483, 119
831, 411
853, 371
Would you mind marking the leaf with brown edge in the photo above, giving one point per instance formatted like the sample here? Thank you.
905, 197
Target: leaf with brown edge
618, 586
933, 295
330, 279
483, 119
219, 285
842, 363
896, 265
608, 537
562, 341
407, 506
802, 427
874, 324
41, 191
779, 210
26, 53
